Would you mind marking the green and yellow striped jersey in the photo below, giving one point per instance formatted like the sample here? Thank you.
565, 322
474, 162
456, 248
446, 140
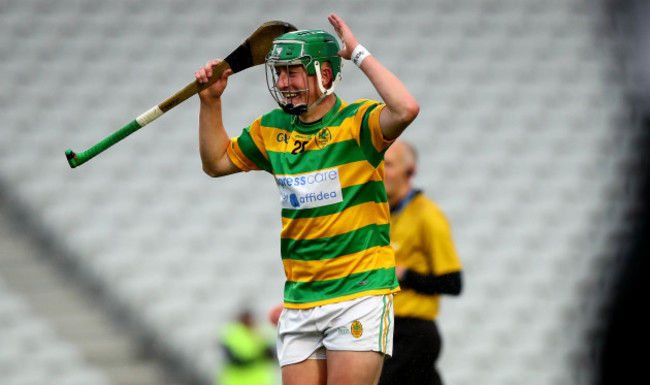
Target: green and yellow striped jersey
335, 241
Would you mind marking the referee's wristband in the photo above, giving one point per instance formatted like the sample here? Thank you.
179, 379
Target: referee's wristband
358, 54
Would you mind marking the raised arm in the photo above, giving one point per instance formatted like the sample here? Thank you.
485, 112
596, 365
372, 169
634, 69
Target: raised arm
401, 107
213, 138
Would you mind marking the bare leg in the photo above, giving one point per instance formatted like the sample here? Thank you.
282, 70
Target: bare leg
307, 372
353, 368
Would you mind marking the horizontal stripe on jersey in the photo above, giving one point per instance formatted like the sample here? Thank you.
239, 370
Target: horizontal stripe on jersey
321, 292
331, 247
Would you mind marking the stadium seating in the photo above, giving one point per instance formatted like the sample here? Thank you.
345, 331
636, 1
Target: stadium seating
518, 143
28, 344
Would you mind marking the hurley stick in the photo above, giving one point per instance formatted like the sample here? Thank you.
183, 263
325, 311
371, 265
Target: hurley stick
250, 53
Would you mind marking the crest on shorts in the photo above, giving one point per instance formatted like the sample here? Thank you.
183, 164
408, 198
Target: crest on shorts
356, 329
323, 137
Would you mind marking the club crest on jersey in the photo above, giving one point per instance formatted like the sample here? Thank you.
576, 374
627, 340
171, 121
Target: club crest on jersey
323, 137
356, 329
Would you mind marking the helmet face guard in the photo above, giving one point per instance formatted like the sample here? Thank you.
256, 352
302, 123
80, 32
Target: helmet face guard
283, 97
306, 48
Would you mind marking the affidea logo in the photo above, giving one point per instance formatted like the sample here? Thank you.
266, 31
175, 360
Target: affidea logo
314, 189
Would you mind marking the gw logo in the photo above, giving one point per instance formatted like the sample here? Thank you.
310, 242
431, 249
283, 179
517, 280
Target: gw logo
282, 138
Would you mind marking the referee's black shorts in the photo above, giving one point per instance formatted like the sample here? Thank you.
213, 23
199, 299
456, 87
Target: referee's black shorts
416, 347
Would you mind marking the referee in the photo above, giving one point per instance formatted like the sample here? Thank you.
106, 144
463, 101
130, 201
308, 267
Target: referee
427, 266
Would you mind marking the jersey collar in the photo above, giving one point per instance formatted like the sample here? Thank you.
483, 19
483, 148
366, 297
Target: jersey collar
405, 201
325, 121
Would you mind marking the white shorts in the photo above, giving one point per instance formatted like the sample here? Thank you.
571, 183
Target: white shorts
362, 324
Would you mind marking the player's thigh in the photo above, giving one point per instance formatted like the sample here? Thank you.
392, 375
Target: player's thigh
353, 368
307, 372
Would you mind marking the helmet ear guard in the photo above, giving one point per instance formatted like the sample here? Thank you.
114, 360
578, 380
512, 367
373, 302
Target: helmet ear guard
324, 91
335, 80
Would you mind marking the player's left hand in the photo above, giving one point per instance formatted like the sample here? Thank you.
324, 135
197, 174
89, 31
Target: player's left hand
349, 42
274, 314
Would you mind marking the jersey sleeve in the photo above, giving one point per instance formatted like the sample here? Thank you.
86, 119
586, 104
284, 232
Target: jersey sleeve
247, 151
380, 143
371, 139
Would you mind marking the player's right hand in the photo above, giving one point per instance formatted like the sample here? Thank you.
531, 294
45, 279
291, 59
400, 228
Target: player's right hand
203, 75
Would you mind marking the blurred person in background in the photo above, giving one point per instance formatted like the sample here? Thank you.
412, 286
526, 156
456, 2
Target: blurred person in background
426, 266
248, 354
